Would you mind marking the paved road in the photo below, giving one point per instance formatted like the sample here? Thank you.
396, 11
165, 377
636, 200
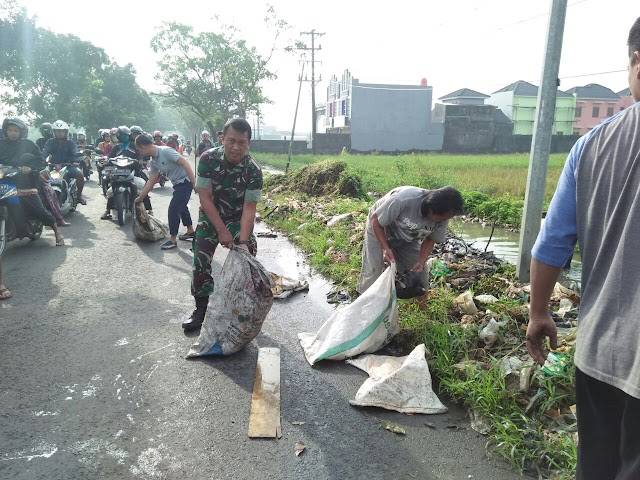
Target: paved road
94, 384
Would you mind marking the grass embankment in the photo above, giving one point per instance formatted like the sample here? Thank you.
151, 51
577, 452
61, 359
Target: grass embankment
527, 426
493, 186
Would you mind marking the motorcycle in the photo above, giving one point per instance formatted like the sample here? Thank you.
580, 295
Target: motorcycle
120, 176
66, 190
9, 198
162, 179
188, 148
85, 164
101, 162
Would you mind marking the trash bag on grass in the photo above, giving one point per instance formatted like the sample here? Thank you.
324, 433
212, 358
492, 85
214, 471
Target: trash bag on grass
364, 326
146, 227
237, 309
397, 383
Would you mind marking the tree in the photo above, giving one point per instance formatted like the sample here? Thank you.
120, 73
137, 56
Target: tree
212, 75
45, 76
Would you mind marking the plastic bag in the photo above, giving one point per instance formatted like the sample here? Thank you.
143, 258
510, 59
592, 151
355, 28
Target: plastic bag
410, 285
237, 309
397, 383
364, 326
146, 227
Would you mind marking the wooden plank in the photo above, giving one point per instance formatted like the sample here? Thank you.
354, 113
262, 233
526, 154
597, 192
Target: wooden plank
264, 419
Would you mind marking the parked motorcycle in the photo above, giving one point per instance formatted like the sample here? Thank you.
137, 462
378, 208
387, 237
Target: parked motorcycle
120, 175
9, 198
66, 189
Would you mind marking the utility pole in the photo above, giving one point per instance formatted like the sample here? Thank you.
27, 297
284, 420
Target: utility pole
541, 143
313, 49
295, 117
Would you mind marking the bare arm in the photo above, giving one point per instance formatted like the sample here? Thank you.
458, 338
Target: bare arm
153, 178
192, 178
541, 325
425, 250
378, 230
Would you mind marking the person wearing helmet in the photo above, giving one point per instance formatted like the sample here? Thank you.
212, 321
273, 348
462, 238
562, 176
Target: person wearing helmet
157, 139
81, 139
173, 141
135, 131
63, 150
105, 144
125, 148
19, 152
205, 144
46, 132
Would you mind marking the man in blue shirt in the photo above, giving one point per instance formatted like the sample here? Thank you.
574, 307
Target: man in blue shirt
63, 150
597, 204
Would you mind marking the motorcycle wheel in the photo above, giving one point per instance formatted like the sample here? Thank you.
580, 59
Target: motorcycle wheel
35, 230
119, 204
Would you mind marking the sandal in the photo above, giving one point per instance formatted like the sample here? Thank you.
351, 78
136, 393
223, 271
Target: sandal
60, 243
5, 294
168, 245
187, 236
106, 216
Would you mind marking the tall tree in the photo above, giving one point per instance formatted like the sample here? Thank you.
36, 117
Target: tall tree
45, 76
213, 75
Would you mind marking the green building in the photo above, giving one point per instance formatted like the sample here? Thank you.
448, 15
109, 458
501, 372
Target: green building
518, 102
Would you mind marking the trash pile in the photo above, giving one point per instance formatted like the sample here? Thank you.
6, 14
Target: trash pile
493, 309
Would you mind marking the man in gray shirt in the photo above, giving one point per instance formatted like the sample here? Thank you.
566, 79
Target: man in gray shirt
177, 169
403, 226
597, 204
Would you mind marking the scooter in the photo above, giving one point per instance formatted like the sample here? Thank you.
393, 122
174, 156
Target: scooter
85, 164
101, 162
8, 201
66, 190
120, 178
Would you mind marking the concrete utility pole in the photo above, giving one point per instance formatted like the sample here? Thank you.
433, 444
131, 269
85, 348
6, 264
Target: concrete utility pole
313, 49
541, 144
295, 118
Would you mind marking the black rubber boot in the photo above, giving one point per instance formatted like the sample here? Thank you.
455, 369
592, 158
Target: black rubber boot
197, 317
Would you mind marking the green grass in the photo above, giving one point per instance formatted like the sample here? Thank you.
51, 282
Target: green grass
494, 175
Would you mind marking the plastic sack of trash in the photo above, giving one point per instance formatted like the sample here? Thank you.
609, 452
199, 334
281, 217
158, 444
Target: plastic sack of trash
397, 383
237, 309
364, 326
147, 227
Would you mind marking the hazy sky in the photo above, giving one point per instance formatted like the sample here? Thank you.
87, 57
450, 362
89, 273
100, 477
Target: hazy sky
454, 44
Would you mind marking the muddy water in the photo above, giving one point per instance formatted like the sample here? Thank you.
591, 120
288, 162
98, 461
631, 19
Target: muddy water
504, 245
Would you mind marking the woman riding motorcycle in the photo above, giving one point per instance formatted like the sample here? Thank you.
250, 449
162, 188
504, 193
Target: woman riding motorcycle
19, 152
127, 149
63, 150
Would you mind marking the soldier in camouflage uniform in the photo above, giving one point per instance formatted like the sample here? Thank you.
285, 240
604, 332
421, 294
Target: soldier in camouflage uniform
229, 183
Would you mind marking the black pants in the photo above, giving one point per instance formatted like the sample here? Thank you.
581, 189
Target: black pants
609, 431
34, 208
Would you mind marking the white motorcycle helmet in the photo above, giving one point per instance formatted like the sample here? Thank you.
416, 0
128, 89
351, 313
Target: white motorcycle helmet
59, 125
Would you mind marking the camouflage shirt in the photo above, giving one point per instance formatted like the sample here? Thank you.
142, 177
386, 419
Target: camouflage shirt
231, 185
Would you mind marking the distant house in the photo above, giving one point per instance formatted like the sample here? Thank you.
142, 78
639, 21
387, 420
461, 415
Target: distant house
381, 117
594, 103
626, 100
464, 96
518, 102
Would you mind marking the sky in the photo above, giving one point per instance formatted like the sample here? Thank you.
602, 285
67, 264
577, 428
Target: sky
454, 44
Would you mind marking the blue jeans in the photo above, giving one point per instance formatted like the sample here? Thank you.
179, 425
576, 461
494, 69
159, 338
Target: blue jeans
178, 207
